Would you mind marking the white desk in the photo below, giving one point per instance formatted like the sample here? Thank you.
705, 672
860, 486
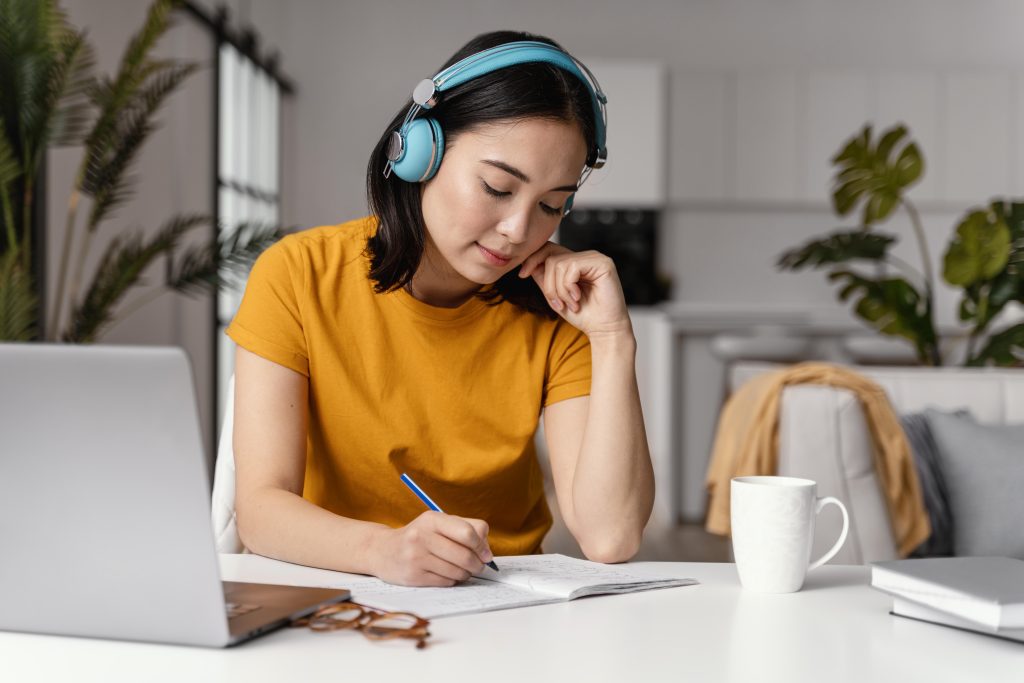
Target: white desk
836, 629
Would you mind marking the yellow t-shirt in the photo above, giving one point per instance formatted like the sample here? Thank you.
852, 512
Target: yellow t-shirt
452, 396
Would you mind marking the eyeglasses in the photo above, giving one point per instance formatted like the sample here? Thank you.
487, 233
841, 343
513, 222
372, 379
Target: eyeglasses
374, 624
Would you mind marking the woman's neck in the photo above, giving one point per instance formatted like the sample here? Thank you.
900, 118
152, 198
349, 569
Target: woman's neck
437, 284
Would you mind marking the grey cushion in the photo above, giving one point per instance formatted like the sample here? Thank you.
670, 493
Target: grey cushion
983, 468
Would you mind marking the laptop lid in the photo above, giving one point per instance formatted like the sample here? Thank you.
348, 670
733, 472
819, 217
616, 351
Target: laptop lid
104, 496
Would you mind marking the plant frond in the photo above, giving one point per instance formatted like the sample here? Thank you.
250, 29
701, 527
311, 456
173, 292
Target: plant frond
158, 20
1005, 349
110, 96
73, 112
105, 178
877, 174
44, 64
839, 247
10, 169
208, 267
120, 269
132, 71
891, 306
18, 300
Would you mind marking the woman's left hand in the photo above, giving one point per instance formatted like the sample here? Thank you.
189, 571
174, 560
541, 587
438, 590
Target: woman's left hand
582, 287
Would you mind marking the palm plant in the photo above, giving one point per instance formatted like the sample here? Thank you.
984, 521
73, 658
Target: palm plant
985, 257
49, 96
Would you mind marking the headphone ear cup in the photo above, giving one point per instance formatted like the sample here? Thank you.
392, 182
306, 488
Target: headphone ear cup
438, 148
567, 207
421, 154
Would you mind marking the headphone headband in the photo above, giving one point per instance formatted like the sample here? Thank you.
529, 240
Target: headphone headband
425, 138
425, 94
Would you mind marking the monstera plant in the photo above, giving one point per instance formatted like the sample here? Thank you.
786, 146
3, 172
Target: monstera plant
50, 96
984, 258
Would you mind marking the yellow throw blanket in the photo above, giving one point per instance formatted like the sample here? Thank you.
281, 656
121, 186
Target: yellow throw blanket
747, 443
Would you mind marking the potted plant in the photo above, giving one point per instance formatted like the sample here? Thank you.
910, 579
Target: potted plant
984, 258
50, 96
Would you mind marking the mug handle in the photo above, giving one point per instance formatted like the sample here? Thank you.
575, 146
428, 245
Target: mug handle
819, 506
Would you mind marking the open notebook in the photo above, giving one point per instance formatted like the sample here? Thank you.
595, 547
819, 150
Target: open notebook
523, 580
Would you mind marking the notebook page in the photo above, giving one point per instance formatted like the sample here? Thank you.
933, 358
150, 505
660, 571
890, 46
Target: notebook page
471, 596
568, 577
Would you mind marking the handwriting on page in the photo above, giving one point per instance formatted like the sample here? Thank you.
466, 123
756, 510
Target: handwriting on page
474, 595
557, 573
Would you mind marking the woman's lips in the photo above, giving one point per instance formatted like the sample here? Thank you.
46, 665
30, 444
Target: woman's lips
493, 258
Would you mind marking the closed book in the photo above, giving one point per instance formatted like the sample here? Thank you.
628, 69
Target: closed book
908, 608
988, 591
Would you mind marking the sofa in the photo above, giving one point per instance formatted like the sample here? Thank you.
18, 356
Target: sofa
823, 436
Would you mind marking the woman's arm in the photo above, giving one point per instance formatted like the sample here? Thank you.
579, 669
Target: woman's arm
599, 457
270, 425
597, 445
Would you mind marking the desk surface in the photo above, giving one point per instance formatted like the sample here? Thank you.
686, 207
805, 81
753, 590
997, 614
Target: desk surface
835, 629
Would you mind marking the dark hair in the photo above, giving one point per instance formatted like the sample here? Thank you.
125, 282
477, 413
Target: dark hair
530, 90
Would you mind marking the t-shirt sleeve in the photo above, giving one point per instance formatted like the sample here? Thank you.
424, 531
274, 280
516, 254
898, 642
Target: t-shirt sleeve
269, 319
568, 373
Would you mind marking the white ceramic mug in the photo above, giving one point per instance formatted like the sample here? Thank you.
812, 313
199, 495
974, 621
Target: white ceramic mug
773, 529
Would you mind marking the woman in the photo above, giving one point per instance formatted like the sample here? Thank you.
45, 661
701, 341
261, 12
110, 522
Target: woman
429, 338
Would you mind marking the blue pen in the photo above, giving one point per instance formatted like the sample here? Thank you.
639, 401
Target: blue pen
407, 480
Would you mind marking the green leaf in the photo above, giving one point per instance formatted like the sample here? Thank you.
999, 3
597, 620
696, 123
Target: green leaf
10, 169
838, 247
206, 267
106, 178
120, 269
893, 307
879, 205
45, 68
127, 104
877, 174
18, 300
986, 296
72, 112
1004, 349
979, 249
131, 72
909, 165
889, 140
1013, 216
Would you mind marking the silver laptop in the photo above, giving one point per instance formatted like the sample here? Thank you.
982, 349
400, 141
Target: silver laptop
105, 504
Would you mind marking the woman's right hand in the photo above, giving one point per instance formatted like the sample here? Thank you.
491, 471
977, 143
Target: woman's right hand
434, 549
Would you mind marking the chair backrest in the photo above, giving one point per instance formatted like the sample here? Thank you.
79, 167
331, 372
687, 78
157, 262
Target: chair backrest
993, 395
225, 524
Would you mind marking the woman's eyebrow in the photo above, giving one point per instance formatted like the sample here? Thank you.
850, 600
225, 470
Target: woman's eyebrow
513, 171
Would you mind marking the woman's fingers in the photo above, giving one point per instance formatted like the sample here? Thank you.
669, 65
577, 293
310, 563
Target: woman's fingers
452, 559
550, 287
430, 579
467, 534
481, 528
535, 259
568, 288
561, 286
435, 549
560, 273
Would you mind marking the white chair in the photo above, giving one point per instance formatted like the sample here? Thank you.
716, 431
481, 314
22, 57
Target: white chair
225, 523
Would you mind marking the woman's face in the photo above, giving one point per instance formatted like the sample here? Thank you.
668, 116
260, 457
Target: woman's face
533, 164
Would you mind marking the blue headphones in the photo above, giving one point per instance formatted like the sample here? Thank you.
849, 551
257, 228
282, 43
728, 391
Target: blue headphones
414, 150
